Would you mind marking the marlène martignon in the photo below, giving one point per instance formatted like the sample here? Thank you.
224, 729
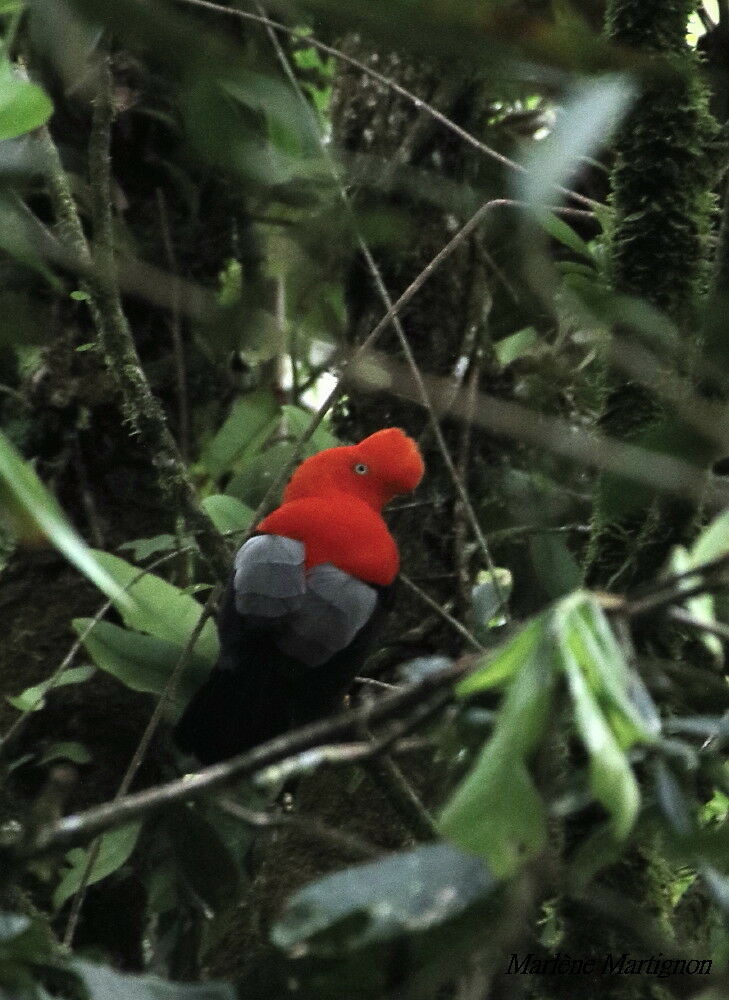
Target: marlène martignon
563, 964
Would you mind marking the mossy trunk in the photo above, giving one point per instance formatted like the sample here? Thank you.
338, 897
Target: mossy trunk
658, 252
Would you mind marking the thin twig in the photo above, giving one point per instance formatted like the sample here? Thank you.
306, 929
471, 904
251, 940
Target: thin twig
183, 410
501, 416
310, 825
686, 618
166, 695
453, 622
391, 84
398, 791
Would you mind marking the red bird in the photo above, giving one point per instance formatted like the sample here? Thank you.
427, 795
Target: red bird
305, 598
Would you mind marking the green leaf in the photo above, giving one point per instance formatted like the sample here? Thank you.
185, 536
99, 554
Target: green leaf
228, 513
554, 565
23, 105
68, 750
713, 540
33, 698
103, 983
116, 848
501, 666
607, 720
702, 606
249, 415
583, 126
516, 346
143, 548
297, 420
160, 608
28, 496
142, 662
495, 811
258, 473
408, 893
559, 230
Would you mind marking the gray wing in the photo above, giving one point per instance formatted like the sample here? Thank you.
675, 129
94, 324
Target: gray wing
334, 608
269, 579
315, 614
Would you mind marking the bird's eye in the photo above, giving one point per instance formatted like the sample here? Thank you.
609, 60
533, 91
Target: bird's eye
361, 469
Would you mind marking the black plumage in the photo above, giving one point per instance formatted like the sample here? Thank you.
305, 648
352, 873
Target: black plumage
257, 689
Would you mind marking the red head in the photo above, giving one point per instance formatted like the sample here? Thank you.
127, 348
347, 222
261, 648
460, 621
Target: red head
377, 469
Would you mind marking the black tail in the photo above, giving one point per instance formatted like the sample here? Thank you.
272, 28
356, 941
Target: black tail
231, 713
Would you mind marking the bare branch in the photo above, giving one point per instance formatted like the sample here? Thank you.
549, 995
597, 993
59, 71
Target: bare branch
422, 700
657, 470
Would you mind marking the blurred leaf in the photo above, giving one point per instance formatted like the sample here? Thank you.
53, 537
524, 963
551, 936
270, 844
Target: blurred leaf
203, 858
559, 230
516, 346
33, 698
227, 513
68, 750
258, 473
23, 105
607, 721
249, 415
406, 893
104, 983
297, 421
501, 666
27, 497
710, 544
495, 811
713, 540
583, 127
142, 662
289, 126
489, 598
143, 548
160, 608
554, 565
116, 848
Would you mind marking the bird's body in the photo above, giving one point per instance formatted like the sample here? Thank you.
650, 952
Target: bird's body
305, 599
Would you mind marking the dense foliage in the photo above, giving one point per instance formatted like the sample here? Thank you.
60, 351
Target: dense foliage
232, 237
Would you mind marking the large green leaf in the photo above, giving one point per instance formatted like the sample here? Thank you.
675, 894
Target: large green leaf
116, 847
228, 513
249, 416
496, 811
142, 662
407, 893
28, 498
159, 608
23, 105
607, 720
504, 664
